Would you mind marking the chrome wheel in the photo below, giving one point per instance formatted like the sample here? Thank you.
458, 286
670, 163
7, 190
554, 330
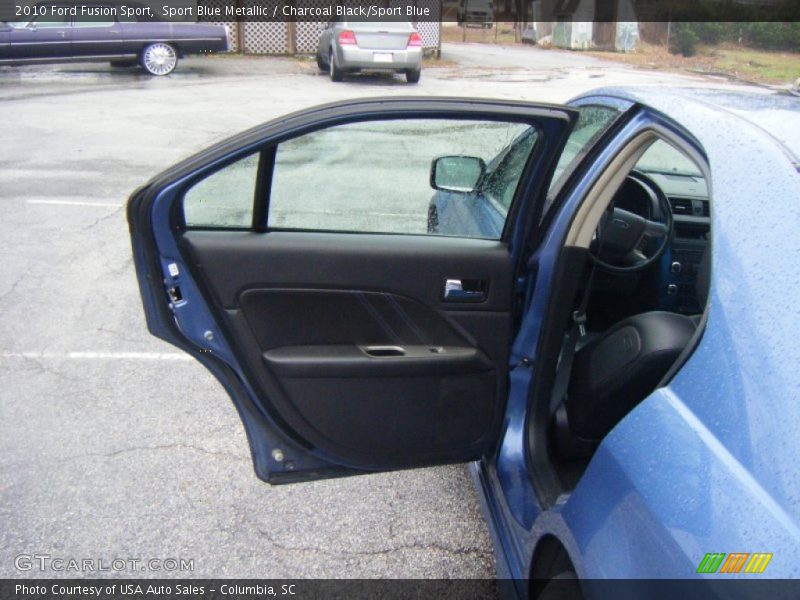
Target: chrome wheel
159, 59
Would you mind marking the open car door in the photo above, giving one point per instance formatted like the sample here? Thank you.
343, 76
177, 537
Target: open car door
295, 262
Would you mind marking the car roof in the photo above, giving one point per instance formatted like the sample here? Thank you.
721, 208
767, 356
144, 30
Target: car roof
775, 114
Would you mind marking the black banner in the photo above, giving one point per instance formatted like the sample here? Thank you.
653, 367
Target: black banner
461, 589
468, 12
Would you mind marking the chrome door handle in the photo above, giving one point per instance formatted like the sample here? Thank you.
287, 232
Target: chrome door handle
465, 290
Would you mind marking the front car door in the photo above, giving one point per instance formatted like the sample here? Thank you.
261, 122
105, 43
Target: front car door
45, 37
294, 262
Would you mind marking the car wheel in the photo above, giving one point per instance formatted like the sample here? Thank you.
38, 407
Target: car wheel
321, 64
433, 219
413, 75
159, 59
335, 72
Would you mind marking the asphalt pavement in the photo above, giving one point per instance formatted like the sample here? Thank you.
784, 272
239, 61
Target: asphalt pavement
112, 444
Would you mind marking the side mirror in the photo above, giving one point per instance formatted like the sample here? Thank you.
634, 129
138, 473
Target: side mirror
457, 173
31, 26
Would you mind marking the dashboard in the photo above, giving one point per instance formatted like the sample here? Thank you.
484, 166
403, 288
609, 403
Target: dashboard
689, 199
673, 277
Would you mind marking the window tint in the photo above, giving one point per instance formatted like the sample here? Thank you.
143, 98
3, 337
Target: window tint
225, 198
376, 177
661, 157
592, 122
501, 182
48, 21
93, 23
379, 25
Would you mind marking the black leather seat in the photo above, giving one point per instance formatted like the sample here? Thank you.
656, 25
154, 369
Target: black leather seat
618, 369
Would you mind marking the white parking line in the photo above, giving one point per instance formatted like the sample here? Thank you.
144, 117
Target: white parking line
168, 356
76, 203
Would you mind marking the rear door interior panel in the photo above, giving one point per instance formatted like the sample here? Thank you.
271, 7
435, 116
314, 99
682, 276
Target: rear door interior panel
351, 339
294, 262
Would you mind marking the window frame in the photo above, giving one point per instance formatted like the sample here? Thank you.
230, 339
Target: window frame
179, 213
533, 157
37, 20
268, 152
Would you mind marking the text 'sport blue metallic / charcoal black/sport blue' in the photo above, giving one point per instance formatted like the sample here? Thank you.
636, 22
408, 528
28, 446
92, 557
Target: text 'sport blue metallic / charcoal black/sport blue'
594, 304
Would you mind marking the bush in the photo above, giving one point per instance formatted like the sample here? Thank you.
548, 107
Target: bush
771, 36
766, 35
684, 39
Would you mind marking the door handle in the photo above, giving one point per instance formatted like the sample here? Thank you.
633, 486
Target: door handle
465, 290
384, 351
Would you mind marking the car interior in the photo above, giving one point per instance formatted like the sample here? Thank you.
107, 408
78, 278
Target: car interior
636, 308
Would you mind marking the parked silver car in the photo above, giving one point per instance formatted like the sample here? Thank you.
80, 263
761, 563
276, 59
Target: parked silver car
353, 46
475, 12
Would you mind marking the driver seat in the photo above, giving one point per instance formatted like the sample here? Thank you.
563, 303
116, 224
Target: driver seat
615, 371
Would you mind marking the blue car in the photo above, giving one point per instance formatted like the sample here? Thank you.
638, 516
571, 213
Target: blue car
594, 304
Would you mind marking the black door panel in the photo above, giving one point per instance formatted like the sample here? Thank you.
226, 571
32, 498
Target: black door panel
414, 266
394, 421
343, 317
374, 360
350, 340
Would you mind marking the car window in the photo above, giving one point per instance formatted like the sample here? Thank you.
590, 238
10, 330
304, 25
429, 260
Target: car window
593, 120
663, 158
225, 198
93, 23
501, 182
380, 25
376, 176
49, 21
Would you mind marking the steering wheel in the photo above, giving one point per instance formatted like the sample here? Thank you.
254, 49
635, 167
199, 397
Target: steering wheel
623, 238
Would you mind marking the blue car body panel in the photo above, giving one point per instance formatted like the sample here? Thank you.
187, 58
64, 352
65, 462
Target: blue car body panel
709, 462
470, 215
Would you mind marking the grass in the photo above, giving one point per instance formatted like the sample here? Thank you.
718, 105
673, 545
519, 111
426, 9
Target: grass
747, 64
498, 33
758, 65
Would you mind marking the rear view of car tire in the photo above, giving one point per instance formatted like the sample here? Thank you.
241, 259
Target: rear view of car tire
413, 75
159, 59
321, 64
335, 72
